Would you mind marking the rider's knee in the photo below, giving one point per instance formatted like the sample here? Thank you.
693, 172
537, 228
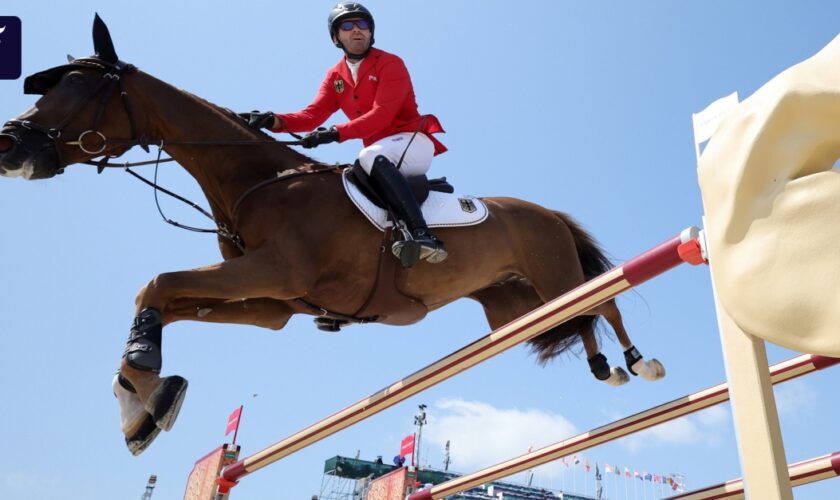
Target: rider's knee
367, 156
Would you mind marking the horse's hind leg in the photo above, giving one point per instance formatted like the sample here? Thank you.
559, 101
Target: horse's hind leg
558, 262
598, 364
649, 370
508, 301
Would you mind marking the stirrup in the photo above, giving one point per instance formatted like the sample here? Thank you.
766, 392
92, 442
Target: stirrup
412, 251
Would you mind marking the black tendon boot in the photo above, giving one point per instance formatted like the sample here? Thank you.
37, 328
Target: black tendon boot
142, 351
398, 195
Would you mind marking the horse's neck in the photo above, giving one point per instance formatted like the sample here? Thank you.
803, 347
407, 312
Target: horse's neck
223, 172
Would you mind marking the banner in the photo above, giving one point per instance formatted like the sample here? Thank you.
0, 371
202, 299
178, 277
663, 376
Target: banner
233, 421
407, 446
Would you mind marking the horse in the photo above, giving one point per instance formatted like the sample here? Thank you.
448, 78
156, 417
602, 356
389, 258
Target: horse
285, 225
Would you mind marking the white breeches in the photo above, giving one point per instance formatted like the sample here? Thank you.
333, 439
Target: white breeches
416, 161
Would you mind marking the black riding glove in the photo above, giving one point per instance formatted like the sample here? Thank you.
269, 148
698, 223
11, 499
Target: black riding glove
320, 136
258, 120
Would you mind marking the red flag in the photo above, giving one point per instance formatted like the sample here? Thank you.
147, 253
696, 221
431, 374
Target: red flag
233, 421
586, 465
407, 446
627, 472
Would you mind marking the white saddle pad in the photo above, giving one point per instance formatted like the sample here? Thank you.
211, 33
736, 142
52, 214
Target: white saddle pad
439, 209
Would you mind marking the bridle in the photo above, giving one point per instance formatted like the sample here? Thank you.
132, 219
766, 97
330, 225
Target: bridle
112, 74
111, 79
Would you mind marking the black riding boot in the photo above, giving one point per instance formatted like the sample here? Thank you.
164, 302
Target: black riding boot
399, 197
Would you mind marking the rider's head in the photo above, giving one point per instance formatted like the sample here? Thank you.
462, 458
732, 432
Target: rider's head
351, 29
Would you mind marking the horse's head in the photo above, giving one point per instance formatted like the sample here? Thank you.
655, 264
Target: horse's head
75, 119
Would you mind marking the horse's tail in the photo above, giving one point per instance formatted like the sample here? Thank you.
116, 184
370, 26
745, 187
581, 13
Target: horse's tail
594, 263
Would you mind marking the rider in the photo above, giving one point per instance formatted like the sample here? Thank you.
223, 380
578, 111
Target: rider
373, 88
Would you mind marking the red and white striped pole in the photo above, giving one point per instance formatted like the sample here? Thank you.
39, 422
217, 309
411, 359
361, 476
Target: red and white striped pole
781, 372
685, 247
805, 472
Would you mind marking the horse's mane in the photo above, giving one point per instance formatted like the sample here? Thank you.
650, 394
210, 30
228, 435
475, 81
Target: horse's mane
233, 119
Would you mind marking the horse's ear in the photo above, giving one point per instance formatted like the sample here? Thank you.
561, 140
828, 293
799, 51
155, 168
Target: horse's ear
102, 44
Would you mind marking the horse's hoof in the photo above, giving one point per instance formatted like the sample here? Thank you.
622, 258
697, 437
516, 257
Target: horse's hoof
165, 402
140, 440
132, 412
618, 376
649, 370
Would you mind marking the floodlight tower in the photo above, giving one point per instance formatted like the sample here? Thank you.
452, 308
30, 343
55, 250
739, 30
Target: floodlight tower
150, 487
419, 421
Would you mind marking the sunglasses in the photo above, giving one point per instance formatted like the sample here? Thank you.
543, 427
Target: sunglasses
362, 24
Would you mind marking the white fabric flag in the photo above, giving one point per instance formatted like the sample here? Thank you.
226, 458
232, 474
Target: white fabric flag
707, 121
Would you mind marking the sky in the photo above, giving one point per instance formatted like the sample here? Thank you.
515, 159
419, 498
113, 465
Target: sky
583, 107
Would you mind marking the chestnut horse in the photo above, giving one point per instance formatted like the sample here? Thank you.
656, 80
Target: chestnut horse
290, 252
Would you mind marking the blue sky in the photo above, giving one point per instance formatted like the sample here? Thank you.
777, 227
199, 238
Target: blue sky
584, 107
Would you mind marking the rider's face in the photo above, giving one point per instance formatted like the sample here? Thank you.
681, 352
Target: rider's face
355, 40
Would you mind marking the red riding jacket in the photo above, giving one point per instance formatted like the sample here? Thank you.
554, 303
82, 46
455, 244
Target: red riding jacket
379, 105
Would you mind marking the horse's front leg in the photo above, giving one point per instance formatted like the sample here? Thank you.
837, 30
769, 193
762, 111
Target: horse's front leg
248, 277
138, 425
266, 313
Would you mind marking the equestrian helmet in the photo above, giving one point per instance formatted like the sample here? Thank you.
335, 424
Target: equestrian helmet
348, 10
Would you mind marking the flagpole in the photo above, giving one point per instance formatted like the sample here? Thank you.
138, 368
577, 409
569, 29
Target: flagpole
236, 431
615, 485
585, 478
635, 486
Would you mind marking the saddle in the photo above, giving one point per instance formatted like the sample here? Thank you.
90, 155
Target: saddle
420, 185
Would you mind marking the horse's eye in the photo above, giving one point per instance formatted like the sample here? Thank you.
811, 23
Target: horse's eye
75, 79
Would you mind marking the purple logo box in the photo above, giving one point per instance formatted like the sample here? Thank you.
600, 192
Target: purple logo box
9, 48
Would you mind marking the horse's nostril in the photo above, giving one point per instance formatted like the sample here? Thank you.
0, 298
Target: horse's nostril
7, 143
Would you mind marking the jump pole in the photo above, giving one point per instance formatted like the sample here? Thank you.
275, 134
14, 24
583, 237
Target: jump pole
805, 472
685, 247
781, 372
